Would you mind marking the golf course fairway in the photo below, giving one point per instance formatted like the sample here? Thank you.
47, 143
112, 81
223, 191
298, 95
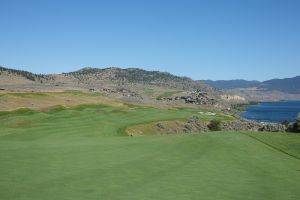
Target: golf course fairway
83, 153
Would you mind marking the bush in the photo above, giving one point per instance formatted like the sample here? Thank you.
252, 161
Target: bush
214, 125
285, 123
295, 127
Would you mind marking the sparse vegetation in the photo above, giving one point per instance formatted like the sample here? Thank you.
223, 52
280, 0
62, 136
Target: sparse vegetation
98, 94
132, 84
26, 74
46, 100
167, 94
73, 91
133, 75
149, 91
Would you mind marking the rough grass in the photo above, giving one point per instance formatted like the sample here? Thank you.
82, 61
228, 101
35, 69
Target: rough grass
168, 94
42, 101
149, 91
151, 128
98, 94
26, 94
73, 91
78, 154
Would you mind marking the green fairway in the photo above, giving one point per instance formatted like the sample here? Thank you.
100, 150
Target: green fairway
83, 153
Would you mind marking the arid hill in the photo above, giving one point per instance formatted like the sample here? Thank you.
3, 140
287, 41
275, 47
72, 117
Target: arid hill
130, 85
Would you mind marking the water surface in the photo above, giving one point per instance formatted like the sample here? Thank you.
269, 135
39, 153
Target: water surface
276, 112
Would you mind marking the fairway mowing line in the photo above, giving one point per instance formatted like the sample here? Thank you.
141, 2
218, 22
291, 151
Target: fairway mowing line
273, 147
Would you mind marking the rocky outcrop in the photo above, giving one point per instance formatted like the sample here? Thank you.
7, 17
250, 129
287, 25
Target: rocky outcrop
239, 125
273, 128
196, 125
234, 98
193, 125
197, 97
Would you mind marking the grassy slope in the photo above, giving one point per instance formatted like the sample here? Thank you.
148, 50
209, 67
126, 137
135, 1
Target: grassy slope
63, 155
168, 94
42, 100
98, 120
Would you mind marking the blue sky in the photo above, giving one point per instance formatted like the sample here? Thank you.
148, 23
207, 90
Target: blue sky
202, 39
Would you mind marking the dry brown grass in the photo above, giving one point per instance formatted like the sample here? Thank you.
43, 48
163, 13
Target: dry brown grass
152, 128
44, 101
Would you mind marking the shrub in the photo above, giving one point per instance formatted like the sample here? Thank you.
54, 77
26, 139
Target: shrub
295, 127
214, 125
285, 123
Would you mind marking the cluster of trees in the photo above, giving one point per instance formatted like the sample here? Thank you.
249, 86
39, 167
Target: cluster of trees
139, 75
25, 74
85, 71
132, 75
293, 127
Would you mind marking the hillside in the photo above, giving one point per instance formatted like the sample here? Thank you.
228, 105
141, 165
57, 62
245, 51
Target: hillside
130, 85
232, 84
132, 75
94, 76
286, 85
275, 89
289, 85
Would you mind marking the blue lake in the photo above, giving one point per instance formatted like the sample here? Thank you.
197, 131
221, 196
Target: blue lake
273, 111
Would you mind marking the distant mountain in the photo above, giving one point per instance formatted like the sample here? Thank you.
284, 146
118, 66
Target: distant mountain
232, 84
287, 85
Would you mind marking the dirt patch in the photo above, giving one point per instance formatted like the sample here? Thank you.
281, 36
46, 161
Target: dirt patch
20, 124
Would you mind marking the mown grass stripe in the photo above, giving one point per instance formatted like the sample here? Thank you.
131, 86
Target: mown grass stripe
272, 146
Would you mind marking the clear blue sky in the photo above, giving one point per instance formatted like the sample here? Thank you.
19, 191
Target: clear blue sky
203, 39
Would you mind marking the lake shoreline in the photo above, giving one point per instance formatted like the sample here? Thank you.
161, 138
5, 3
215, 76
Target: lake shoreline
271, 112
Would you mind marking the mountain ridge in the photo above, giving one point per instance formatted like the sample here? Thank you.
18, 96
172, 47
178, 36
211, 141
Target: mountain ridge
133, 81
288, 85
